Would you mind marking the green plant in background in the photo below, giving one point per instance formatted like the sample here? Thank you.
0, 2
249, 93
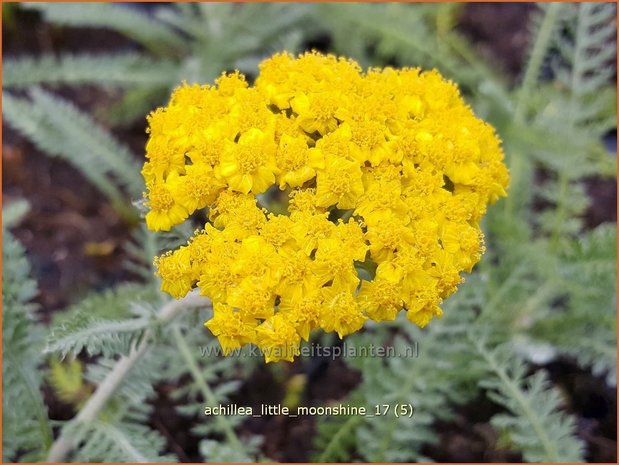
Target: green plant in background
187, 42
58, 128
26, 428
545, 289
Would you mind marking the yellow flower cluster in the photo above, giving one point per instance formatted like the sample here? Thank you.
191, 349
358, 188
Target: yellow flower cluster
386, 174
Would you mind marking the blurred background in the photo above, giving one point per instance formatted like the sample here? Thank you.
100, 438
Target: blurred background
79, 79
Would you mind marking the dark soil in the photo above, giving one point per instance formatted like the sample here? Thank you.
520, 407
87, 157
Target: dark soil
470, 437
603, 207
72, 235
74, 239
595, 405
499, 31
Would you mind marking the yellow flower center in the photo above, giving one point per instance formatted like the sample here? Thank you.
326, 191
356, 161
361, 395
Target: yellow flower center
368, 134
386, 293
160, 199
323, 107
249, 159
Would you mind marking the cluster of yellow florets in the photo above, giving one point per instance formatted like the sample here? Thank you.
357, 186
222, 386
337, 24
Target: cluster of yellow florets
386, 171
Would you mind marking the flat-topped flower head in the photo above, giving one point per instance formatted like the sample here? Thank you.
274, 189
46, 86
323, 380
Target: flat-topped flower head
380, 181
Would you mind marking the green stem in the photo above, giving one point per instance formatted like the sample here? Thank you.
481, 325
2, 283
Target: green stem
516, 393
505, 286
515, 173
350, 424
561, 210
64, 444
575, 83
400, 396
531, 306
207, 392
540, 47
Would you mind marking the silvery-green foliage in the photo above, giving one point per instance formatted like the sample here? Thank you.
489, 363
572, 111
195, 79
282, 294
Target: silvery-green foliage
587, 327
108, 323
183, 42
58, 128
26, 431
414, 34
122, 70
534, 422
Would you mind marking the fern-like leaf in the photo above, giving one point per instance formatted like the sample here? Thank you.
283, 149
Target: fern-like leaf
401, 31
138, 26
336, 438
535, 423
25, 427
103, 323
581, 107
224, 36
542, 27
125, 442
222, 452
124, 70
120, 431
58, 128
586, 328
